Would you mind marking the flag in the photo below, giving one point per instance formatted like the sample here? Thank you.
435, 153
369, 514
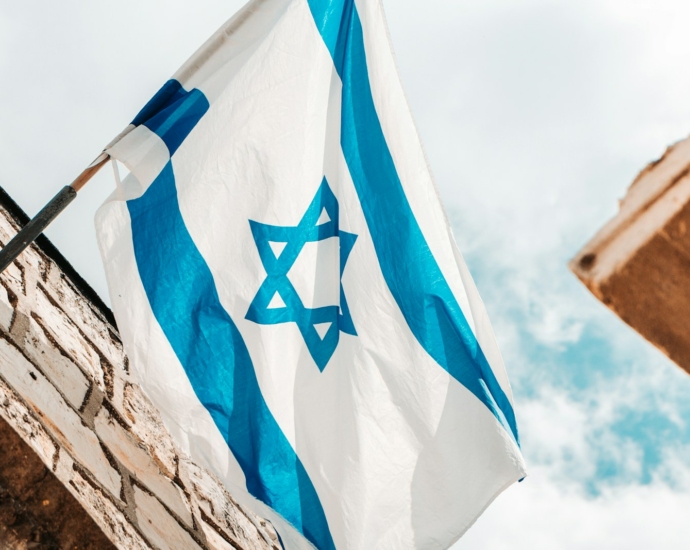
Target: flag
289, 292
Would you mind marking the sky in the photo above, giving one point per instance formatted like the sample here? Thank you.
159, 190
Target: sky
535, 115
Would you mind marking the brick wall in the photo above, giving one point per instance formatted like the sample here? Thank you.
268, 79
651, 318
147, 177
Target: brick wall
36, 510
66, 389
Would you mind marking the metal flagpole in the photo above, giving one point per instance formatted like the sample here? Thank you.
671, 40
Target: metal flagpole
30, 232
52, 210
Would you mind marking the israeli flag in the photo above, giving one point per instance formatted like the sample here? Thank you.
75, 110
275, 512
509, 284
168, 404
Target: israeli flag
290, 294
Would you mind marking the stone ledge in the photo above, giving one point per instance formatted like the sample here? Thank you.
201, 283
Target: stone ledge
638, 264
36, 506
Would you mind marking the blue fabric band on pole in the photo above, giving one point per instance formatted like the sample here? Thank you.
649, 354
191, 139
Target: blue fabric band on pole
170, 92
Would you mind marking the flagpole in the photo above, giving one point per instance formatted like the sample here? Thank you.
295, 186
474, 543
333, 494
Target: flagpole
30, 232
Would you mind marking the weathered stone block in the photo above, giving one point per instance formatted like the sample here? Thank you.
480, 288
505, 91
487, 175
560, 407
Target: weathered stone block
148, 427
89, 320
159, 526
8, 227
13, 277
65, 389
639, 263
63, 422
214, 540
226, 514
35, 506
64, 467
108, 517
54, 363
6, 310
20, 418
61, 329
140, 464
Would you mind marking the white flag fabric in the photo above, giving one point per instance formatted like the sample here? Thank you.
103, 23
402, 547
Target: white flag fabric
289, 292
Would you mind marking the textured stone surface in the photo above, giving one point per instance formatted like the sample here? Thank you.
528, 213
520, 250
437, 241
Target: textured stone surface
56, 364
245, 529
109, 517
63, 331
18, 415
6, 310
639, 263
148, 428
36, 510
62, 421
66, 390
159, 526
140, 465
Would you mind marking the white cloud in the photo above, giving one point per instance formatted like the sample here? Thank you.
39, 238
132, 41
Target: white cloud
553, 510
555, 434
541, 515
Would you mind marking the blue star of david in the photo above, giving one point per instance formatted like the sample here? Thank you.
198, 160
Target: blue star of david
277, 285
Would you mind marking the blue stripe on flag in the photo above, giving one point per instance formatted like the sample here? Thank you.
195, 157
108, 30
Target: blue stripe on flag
185, 302
410, 269
329, 16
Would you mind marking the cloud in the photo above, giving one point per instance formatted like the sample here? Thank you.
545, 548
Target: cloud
566, 503
541, 515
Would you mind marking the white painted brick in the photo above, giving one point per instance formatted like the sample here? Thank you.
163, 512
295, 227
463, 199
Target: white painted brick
31, 431
148, 427
138, 462
118, 394
64, 469
23, 276
83, 314
159, 526
64, 424
7, 228
14, 277
214, 540
113, 522
71, 340
268, 530
32, 259
61, 370
6, 310
216, 502
65, 443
